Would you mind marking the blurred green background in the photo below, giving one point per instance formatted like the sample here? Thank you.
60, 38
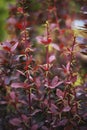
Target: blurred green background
72, 7
3, 15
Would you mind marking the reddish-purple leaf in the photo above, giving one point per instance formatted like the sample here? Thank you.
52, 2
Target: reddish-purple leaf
44, 128
25, 118
66, 109
17, 85
53, 108
12, 95
74, 78
85, 116
62, 122
60, 93
56, 85
38, 82
6, 48
35, 112
20, 129
3, 102
52, 58
20, 9
34, 127
68, 127
21, 72
68, 66
55, 81
22, 102
55, 46
14, 46
15, 121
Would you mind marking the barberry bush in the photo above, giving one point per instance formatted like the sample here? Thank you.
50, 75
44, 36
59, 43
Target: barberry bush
39, 77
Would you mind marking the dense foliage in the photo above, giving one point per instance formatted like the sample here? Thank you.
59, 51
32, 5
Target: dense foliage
40, 83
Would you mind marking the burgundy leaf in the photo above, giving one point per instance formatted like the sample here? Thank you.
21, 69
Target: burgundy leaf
34, 127
15, 121
14, 46
53, 108
85, 116
54, 81
3, 102
35, 112
66, 109
25, 118
38, 82
12, 95
63, 122
56, 85
44, 128
74, 78
68, 127
22, 102
17, 85
68, 66
21, 72
43, 40
20, 129
60, 93
6, 48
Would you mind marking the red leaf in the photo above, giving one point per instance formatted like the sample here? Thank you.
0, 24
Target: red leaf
46, 42
50, 7
7, 48
20, 9
19, 26
46, 67
62, 31
61, 45
66, 68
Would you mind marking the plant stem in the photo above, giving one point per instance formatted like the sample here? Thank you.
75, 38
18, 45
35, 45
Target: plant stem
55, 13
27, 73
